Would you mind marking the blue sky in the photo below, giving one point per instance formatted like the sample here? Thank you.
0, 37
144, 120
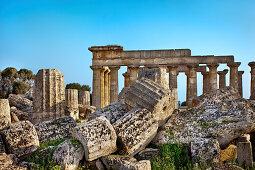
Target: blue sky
57, 33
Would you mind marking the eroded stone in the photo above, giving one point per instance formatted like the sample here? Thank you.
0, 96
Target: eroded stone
5, 117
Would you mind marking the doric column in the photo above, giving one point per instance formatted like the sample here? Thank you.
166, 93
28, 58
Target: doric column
106, 87
222, 78
234, 74
133, 70
71, 97
84, 98
240, 82
252, 65
114, 85
205, 81
212, 78
172, 76
96, 93
126, 79
102, 87
192, 84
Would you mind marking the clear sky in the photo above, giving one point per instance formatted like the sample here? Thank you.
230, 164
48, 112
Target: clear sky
36, 34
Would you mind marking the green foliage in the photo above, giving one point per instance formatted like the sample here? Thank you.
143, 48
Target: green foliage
20, 87
26, 74
10, 72
172, 156
52, 143
78, 87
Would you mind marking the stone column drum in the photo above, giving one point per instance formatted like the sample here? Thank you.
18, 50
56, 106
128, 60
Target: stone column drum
240, 82
205, 81
114, 84
172, 76
252, 65
212, 81
106, 87
72, 108
133, 70
49, 95
84, 98
96, 91
192, 84
126, 79
222, 78
5, 116
234, 74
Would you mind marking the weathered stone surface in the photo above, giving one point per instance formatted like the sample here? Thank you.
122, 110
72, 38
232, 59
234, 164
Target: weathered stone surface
85, 111
145, 93
100, 165
5, 117
55, 129
14, 118
68, 154
112, 112
20, 114
158, 75
49, 95
97, 137
230, 153
122, 95
117, 162
72, 103
84, 98
27, 165
220, 115
225, 166
20, 138
2, 146
147, 154
5, 160
244, 152
135, 130
205, 150
21, 103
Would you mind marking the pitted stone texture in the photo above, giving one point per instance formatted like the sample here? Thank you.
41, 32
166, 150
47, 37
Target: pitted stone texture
72, 103
112, 112
20, 114
20, 138
21, 103
14, 118
2, 146
55, 129
84, 98
68, 154
225, 166
5, 116
230, 153
147, 154
145, 93
117, 162
5, 160
158, 75
122, 95
224, 118
135, 131
244, 153
49, 95
97, 137
205, 150
85, 111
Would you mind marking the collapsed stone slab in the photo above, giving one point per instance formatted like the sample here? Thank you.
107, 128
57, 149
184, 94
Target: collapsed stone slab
20, 102
85, 111
20, 114
55, 129
117, 162
135, 130
145, 93
5, 117
68, 154
20, 138
112, 112
97, 137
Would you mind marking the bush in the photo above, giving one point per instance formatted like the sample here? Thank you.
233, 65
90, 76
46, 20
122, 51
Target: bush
78, 87
20, 87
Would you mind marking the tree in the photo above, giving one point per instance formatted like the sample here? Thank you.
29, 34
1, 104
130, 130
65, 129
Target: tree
78, 87
10, 73
20, 87
26, 74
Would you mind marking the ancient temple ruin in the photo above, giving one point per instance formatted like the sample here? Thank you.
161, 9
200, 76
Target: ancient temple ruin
107, 60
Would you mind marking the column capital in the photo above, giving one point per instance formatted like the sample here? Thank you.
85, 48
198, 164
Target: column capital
204, 73
235, 64
192, 66
126, 74
224, 72
212, 65
252, 64
172, 66
114, 67
96, 67
240, 73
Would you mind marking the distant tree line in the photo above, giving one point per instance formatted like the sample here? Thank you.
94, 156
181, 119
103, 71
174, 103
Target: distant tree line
78, 86
13, 81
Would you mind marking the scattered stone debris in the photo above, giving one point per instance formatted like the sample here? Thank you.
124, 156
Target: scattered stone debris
21, 102
20, 138
6, 162
147, 154
55, 129
20, 114
85, 111
97, 137
230, 153
5, 117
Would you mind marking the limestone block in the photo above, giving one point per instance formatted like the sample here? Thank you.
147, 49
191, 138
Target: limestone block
2, 146
230, 153
20, 138
117, 162
85, 111
20, 114
112, 112
55, 129
97, 137
157, 75
100, 165
68, 154
147, 154
84, 98
244, 153
20, 102
14, 118
71, 98
5, 160
5, 117
122, 95
206, 150
135, 130
145, 93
